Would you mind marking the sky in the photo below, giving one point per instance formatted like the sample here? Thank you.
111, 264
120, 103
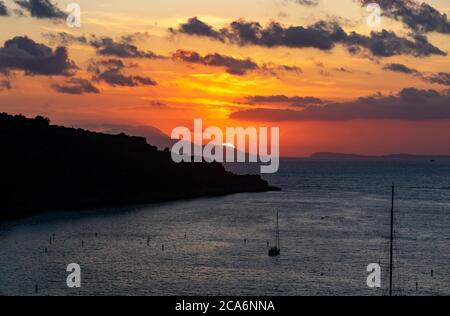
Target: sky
315, 68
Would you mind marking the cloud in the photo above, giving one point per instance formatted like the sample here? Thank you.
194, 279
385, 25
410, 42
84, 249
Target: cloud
323, 35
115, 78
76, 86
106, 46
41, 9
22, 53
110, 72
307, 3
419, 17
387, 4
158, 104
5, 84
125, 48
196, 27
288, 68
233, 65
388, 44
3, 9
291, 101
400, 68
66, 39
343, 69
135, 37
442, 78
115, 64
423, 18
408, 104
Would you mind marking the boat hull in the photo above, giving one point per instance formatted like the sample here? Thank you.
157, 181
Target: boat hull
273, 252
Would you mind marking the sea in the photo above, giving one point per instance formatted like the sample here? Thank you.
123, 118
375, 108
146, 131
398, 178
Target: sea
334, 221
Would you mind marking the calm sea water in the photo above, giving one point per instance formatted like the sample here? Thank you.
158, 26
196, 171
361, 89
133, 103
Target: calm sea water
334, 221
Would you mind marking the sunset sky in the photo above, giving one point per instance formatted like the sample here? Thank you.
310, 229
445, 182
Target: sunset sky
316, 69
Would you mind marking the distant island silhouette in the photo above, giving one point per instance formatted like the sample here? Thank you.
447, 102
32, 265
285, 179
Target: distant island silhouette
331, 155
50, 167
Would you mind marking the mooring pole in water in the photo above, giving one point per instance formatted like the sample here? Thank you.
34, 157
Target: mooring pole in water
392, 242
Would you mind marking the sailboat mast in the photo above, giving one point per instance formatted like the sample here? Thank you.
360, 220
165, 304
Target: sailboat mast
391, 242
278, 234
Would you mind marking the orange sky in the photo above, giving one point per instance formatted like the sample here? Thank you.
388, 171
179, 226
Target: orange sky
189, 91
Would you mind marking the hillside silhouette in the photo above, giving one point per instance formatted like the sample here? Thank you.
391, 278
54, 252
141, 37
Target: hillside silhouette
49, 167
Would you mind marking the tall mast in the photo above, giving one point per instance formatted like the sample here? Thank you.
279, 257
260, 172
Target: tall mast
392, 242
277, 242
278, 234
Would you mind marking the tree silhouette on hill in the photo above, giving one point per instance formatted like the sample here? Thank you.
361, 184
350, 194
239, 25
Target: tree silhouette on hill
49, 167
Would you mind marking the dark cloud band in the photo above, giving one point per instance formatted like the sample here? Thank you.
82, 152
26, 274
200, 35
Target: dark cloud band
409, 104
295, 101
322, 35
234, 66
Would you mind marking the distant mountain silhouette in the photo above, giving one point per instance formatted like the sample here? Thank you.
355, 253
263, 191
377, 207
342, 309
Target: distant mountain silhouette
331, 155
49, 167
152, 134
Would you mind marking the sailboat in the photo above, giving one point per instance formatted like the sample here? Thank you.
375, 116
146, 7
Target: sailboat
275, 251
